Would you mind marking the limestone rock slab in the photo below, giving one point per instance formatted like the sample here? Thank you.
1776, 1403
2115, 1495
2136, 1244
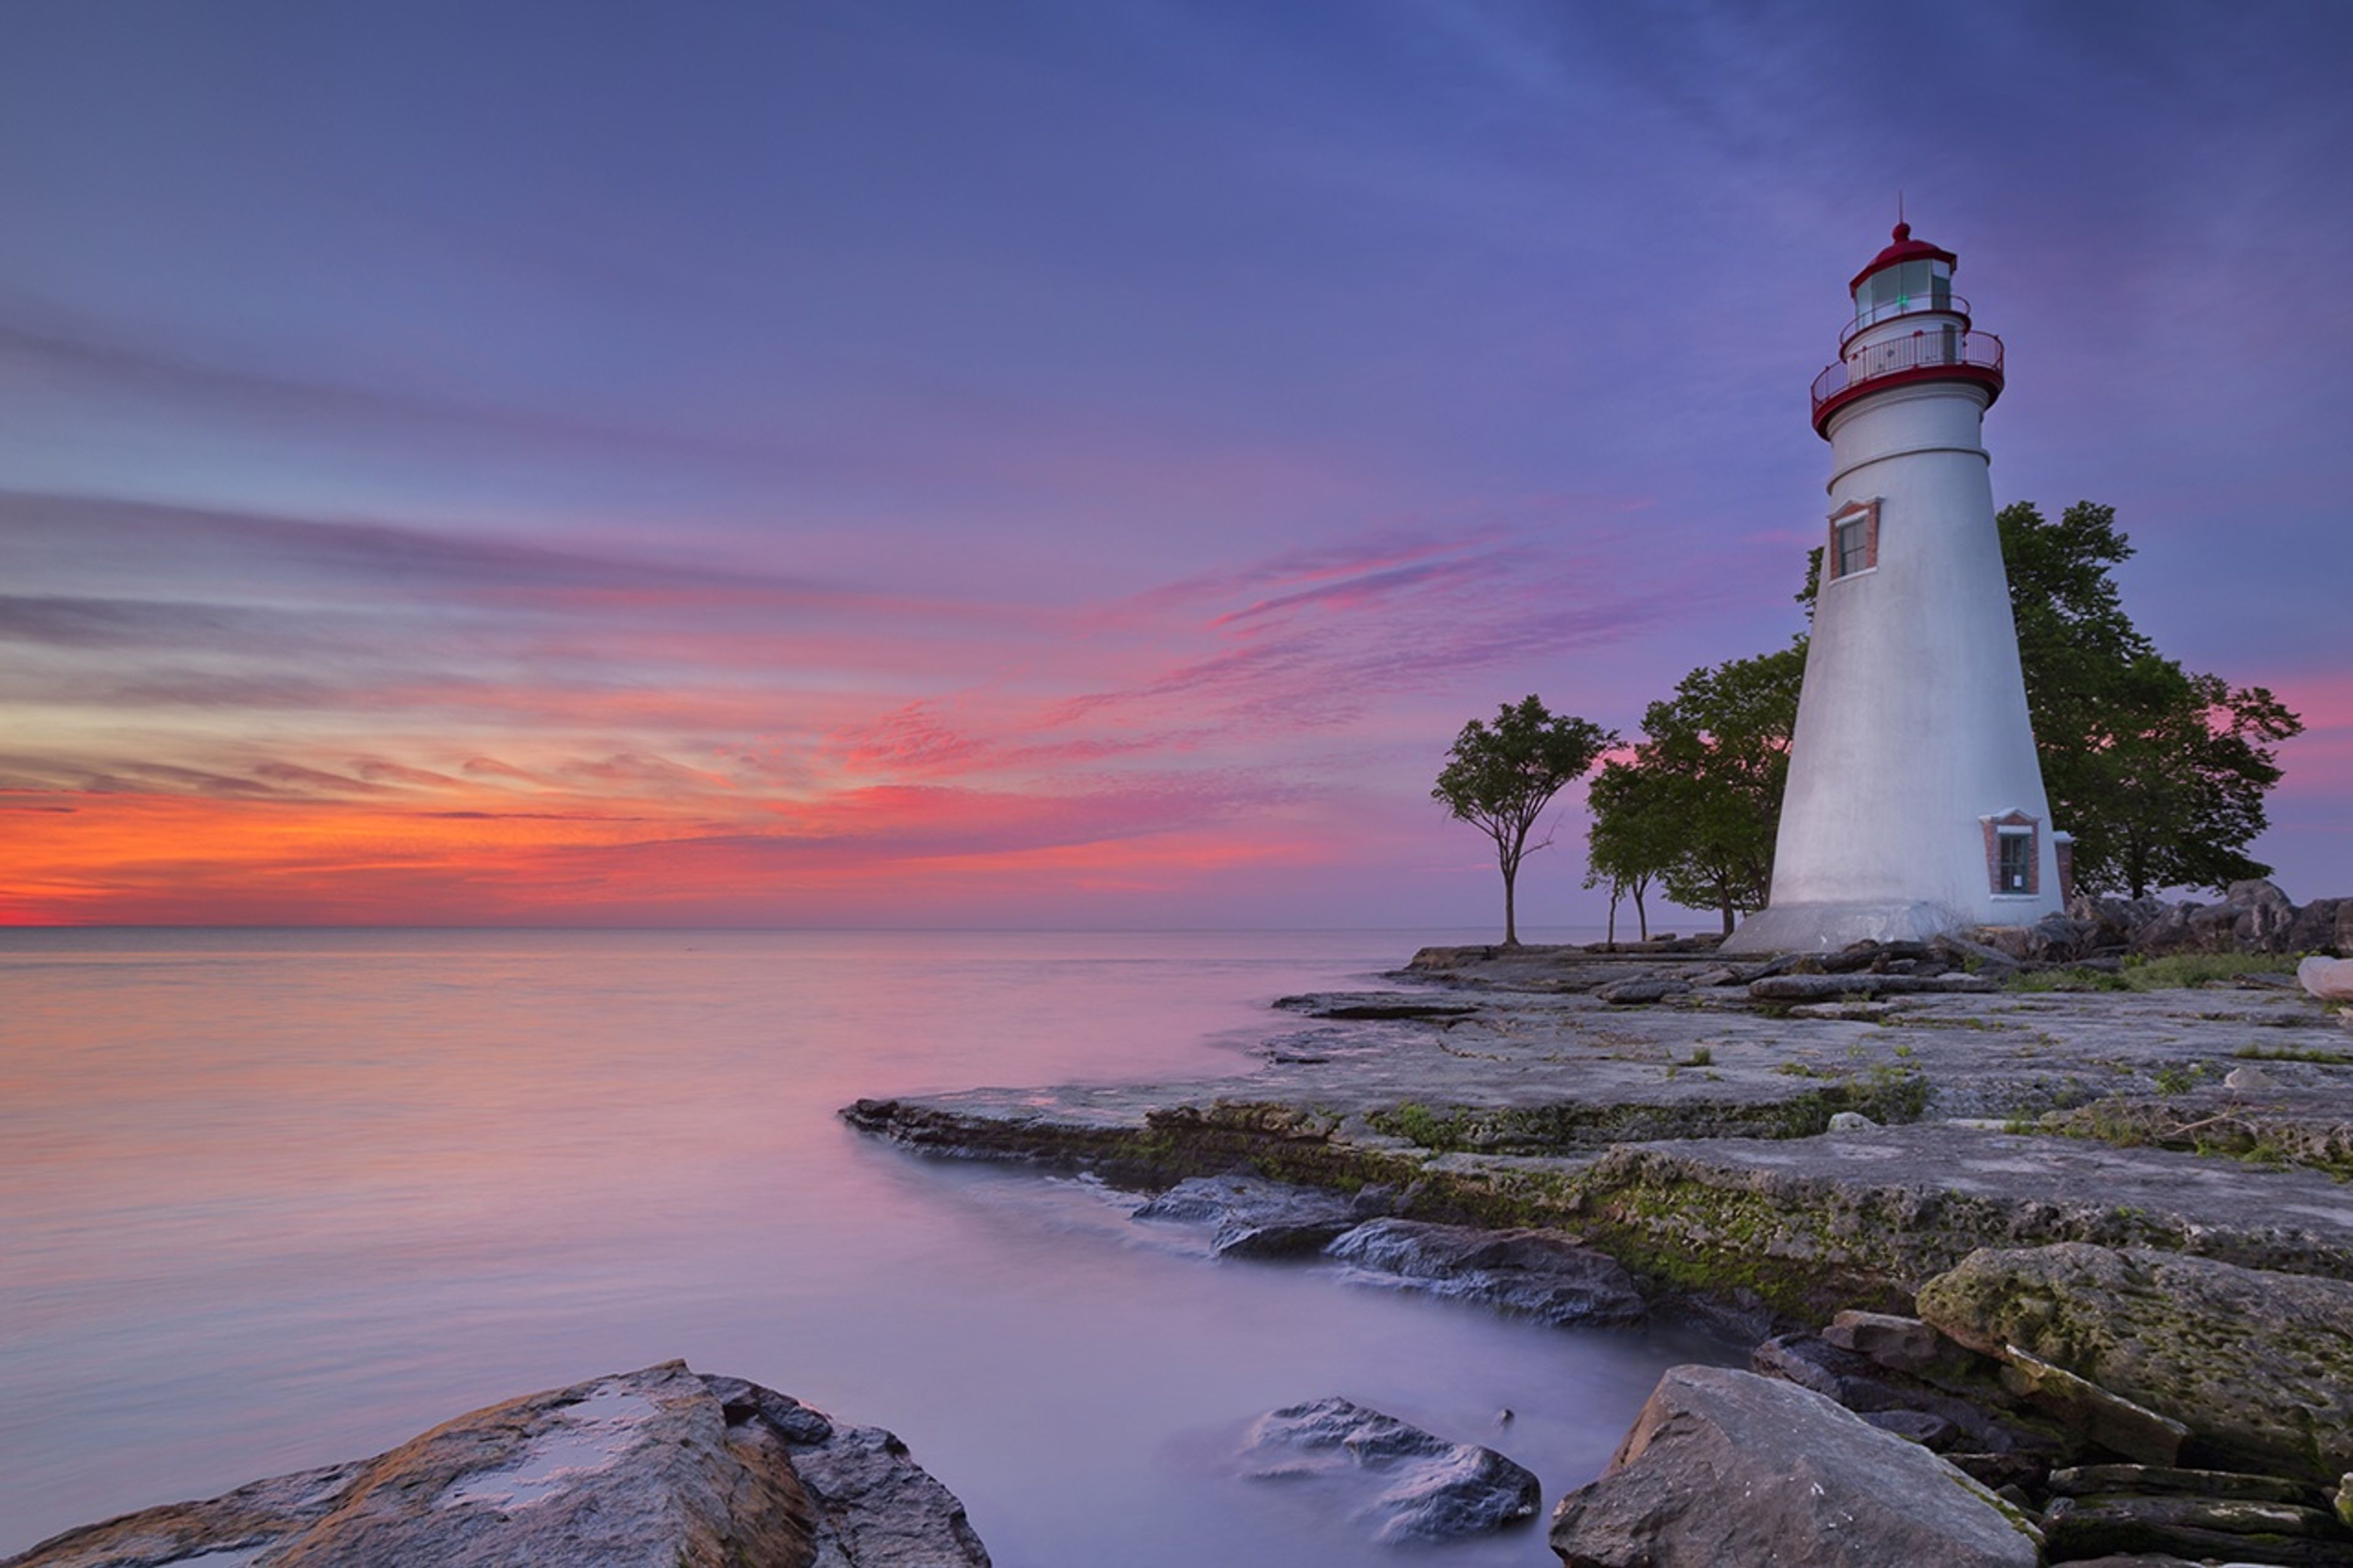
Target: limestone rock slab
2257, 1364
1844, 1216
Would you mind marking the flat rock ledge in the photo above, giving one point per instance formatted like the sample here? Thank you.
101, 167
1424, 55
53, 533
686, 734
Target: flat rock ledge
657, 1469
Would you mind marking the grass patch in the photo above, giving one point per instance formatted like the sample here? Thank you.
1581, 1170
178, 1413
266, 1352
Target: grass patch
2067, 980
1417, 1123
1701, 1056
2182, 970
2294, 1054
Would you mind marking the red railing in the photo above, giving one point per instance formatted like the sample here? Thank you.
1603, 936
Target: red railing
1923, 356
1953, 305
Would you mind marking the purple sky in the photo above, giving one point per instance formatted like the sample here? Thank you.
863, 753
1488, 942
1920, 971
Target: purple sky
1060, 464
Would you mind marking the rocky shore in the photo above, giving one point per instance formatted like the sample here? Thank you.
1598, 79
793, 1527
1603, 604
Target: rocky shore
2041, 1237
2040, 1242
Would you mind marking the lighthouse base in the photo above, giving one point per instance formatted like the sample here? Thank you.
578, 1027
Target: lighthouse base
1827, 927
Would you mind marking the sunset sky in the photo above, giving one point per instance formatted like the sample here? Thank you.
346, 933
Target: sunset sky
1053, 463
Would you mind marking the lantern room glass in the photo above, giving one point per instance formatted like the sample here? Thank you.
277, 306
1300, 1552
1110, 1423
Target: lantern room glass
1921, 285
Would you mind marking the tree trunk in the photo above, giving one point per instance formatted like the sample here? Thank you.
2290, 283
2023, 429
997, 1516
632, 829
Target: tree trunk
1613, 917
1642, 914
1728, 917
1511, 924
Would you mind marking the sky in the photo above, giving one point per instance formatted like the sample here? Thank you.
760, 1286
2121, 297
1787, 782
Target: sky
1060, 464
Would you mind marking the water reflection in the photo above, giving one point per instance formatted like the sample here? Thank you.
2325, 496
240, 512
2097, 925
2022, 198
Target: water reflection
273, 1199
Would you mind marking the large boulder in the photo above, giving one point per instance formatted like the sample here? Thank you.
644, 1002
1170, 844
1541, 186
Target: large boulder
1423, 1486
2113, 922
1725, 1466
2330, 979
2257, 1365
1547, 1274
2254, 916
2265, 918
658, 1468
2323, 925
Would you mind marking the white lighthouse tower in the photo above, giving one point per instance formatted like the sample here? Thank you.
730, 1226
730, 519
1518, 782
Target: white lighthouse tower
1915, 802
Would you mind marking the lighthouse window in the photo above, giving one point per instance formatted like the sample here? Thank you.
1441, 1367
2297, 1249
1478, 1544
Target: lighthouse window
1853, 547
2012, 854
1855, 540
2016, 872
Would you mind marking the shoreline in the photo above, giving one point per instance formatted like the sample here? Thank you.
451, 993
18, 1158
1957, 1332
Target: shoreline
1773, 1155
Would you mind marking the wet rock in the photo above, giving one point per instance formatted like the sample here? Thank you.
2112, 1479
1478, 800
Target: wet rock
2257, 1365
1725, 1467
1547, 1274
2234, 1530
1640, 989
877, 1509
1255, 1217
657, 1467
1430, 1489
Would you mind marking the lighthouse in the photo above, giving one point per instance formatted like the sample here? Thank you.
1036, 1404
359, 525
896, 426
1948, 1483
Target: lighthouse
1914, 801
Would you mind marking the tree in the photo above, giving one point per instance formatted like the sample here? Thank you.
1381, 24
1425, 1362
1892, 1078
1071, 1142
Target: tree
1502, 778
1715, 756
2159, 773
1633, 837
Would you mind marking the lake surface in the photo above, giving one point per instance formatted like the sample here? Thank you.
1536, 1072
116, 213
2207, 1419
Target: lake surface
275, 1199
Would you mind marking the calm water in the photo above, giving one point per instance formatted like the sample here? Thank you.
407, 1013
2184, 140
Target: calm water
275, 1199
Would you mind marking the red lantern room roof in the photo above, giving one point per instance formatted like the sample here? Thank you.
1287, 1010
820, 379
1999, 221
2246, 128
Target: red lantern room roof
1903, 248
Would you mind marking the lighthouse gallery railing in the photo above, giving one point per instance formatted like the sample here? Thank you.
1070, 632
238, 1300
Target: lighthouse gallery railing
1923, 350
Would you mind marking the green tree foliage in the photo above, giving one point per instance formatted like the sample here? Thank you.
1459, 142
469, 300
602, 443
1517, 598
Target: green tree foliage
2159, 773
1501, 777
1635, 833
1716, 754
